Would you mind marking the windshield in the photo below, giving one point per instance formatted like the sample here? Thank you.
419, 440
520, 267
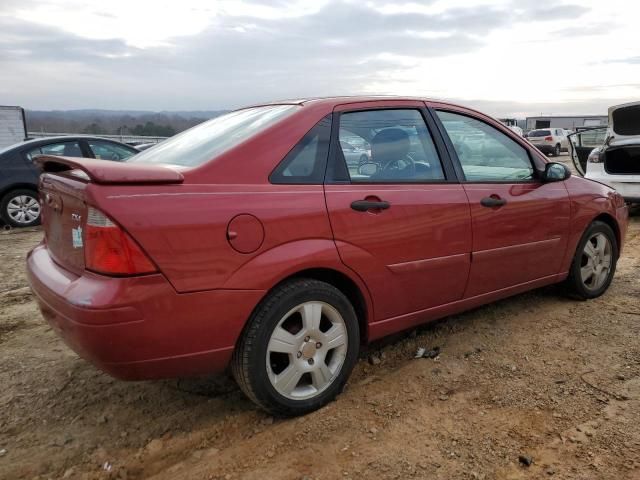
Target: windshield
206, 141
539, 133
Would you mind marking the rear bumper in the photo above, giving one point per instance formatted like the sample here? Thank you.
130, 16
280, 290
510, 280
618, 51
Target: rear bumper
139, 327
626, 185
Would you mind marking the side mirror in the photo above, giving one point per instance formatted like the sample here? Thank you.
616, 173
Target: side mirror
368, 169
555, 172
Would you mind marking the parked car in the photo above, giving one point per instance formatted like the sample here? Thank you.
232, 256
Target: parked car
246, 242
354, 156
19, 205
549, 140
617, 162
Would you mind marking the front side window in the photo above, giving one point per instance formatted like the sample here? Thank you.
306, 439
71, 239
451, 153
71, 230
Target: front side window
109, 151
485, 153
390, 146
212, 138
64, 149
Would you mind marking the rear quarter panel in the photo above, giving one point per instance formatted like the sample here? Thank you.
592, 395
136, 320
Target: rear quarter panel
183, 228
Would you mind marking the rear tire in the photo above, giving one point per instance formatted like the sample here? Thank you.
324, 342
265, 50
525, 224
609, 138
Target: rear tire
20, 208
594, 263
556, 150
298, 349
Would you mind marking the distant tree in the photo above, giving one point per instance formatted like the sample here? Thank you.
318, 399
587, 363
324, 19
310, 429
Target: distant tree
94, 129
111, 121
153, 130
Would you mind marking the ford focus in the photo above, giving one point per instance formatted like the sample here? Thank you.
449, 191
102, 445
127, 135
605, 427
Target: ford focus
248, 243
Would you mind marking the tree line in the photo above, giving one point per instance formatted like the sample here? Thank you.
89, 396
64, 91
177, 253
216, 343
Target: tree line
109, 122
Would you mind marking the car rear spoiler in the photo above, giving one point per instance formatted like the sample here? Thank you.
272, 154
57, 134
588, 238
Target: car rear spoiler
110, 172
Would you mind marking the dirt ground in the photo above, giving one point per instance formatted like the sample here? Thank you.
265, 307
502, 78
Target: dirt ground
537, 375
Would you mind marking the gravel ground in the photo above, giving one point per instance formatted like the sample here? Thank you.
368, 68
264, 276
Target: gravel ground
537, 376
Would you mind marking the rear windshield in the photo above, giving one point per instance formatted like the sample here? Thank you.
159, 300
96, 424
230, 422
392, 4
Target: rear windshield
539, 133
206, 141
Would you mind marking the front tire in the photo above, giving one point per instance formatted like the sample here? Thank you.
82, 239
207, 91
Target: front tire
298, 348
594, 263
20, 208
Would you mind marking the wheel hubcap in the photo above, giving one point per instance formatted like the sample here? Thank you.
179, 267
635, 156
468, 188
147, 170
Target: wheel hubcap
306, 350
23, 209
596, 260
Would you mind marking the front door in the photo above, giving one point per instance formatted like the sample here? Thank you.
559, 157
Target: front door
400, 220
520, 225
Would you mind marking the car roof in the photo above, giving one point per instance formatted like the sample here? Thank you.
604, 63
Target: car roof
34, 142
346, 99
329, 103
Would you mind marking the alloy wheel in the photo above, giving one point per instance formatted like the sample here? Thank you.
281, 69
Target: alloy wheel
23, 209
306, 350
596, 261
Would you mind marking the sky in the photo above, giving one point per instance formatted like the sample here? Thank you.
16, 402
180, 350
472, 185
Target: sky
504, 57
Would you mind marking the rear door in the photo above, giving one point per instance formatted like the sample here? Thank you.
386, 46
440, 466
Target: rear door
401, 221
520, 225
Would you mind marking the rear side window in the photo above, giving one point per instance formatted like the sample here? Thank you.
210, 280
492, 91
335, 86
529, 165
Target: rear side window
109, 151
64, 149
210, 139
539, 133
389, 146
307, 161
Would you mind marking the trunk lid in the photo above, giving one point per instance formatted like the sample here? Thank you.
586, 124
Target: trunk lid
64, 193
624, 123
63, 217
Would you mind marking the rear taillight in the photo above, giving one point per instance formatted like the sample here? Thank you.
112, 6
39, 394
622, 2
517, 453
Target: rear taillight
110, 250
595, 156
548, 139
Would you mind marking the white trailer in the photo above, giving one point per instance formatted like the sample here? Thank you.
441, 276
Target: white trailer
13, 126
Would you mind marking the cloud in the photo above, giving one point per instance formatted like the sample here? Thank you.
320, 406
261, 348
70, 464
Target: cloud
629, 60
338, 48
241, 59
555, 12
26, 41
585, 30
516, 109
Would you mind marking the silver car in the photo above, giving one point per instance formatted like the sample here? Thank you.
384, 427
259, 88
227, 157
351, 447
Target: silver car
354, 156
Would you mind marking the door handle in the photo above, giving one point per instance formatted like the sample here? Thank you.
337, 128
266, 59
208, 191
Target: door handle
493, 201
366, 205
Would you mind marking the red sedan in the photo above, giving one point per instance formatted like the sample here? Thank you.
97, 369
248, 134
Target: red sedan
249, 242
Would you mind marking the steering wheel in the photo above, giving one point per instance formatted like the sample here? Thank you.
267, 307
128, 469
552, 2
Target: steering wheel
405, 165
